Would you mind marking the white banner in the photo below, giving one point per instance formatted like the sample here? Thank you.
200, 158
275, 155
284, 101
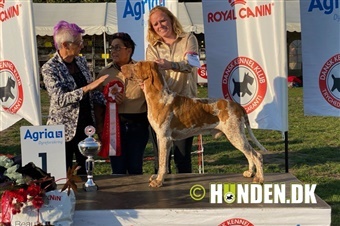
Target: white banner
133, 19
320, 57
45, 147
246, 58
19, 74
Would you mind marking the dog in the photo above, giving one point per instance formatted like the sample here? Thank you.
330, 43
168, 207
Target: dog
176, 117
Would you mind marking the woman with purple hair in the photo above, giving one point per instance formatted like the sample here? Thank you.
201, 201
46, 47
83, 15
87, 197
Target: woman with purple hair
71, 89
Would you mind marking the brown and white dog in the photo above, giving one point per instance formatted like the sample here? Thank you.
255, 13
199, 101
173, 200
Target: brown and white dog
176, 117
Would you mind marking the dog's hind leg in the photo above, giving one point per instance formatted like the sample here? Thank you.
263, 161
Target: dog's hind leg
236, 135
164, 145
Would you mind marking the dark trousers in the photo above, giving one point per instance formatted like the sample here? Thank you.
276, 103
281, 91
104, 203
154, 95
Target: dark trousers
72, 149
134, 137
181, 150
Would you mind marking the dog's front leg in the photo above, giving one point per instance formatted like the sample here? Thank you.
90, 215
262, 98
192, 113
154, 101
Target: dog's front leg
164, 146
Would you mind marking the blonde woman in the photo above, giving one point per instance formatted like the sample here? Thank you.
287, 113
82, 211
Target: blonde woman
170, 47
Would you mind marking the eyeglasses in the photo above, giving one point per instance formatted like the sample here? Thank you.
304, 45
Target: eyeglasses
116, 48
78, 43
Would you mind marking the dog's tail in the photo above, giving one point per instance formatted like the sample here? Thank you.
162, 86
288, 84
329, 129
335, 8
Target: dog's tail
250, 132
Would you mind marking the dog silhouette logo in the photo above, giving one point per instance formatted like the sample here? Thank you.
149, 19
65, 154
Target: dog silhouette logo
245, 82
242, 87
336, 83
6, 91
229, 197
11, 90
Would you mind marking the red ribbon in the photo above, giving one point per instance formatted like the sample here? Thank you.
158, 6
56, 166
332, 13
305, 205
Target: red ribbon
6, 208
111, 132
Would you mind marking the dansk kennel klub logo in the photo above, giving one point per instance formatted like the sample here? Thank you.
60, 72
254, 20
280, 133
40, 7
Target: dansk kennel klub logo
245, 82
11, 91
329, 81
236, 222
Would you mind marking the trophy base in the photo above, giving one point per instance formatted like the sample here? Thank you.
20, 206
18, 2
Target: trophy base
90, 188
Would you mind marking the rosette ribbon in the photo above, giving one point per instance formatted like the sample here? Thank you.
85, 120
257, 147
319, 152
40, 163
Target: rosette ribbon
111, 132
6, 209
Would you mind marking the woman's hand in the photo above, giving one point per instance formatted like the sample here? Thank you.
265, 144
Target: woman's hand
94, 84
119, 97
163, 64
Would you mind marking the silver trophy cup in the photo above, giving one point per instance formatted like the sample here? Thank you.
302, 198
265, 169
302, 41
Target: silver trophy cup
89, 147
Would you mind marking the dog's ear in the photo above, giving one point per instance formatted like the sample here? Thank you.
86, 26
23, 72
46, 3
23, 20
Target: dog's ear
156, 76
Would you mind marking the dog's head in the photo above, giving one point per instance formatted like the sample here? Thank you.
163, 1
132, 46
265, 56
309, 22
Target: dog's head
139, 71
144, 71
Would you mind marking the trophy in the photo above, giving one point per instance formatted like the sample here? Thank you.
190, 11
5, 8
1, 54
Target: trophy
89, 147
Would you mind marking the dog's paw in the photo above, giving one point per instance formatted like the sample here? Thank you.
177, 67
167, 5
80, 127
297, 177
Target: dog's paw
155, 184
153, 177
258, 180
247, 173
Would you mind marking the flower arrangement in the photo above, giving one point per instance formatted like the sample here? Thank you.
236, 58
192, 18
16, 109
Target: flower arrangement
8, 168
27, 185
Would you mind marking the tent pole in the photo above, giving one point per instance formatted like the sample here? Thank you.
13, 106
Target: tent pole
286, 152
104, 40
104, 34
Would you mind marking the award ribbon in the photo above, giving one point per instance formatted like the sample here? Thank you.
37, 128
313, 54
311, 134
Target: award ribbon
111, 132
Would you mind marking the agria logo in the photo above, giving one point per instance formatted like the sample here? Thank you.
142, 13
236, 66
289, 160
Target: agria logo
139, 8
45, 134
256, 193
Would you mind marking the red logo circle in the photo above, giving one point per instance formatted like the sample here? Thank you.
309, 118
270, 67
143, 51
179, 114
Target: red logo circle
245, 82
11, 95
329, 81
202, 71
236, 222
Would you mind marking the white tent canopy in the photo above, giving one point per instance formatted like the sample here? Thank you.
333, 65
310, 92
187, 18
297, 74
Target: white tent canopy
97, 18
293, 15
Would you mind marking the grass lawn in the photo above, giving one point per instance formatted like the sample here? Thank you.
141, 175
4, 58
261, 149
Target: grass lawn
314, 150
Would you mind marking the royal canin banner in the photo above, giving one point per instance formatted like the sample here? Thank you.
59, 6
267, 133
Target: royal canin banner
321, 57
19, 74
133, 18
246, 58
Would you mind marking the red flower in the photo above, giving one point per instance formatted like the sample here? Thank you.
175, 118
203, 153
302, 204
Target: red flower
37, 202
33, 189
21, 195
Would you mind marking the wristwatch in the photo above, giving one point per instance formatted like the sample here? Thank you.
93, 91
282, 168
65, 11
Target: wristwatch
174, 66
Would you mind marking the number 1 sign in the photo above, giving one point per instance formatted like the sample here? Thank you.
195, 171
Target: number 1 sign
45, 147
